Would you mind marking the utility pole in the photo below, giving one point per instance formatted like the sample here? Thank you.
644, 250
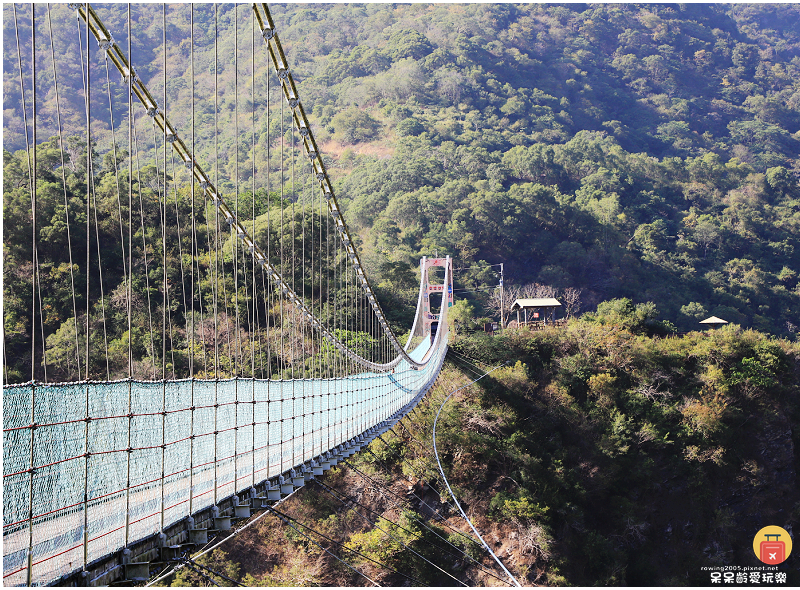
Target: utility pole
502, 325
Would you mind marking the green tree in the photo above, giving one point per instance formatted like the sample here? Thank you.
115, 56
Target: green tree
355, 126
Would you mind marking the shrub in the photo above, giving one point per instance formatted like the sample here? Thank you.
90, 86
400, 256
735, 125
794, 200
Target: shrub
409, 127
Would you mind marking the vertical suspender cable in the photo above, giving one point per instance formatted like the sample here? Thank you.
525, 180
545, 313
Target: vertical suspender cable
32, 170
292, 253
5, 353
249, 319
116, 168
307, 195
189, 166
216, 251
30, 187
36, 274
330, 369
191, 257
270, 285
235, 246
293, 308
302, 295
255, 336
282, 239
180, 246
144, 241
129, 286
164, 246
89, 186
324, 287
99, 263
163, 211
87, 95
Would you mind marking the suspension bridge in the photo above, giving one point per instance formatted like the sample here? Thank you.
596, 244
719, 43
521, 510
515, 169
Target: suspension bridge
190, 333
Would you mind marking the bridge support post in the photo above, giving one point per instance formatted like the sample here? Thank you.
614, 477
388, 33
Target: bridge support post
324, 462
222, 523
286, 488
308, 472
198, 536
240, 510
273, 492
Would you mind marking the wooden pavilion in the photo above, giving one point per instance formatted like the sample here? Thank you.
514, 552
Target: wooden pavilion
536, 311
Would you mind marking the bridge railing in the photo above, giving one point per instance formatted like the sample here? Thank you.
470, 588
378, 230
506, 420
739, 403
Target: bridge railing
101, 465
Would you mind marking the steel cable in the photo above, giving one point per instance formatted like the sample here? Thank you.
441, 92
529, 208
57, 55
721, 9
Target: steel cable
441, 470
420, 521
191, 562
191, 566
287, 519
66, 205
375, 524
442, 520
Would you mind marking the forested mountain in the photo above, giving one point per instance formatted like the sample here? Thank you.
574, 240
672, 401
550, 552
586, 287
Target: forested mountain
640, 151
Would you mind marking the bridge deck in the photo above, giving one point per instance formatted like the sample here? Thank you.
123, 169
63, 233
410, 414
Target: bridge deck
216, 438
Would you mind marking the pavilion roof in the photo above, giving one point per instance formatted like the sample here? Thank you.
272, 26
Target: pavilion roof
538, 302
713, 320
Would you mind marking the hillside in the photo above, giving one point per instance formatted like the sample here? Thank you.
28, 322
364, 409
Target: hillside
575, 461
645, 152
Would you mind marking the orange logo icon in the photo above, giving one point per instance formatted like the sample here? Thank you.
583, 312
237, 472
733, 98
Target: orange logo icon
772, 545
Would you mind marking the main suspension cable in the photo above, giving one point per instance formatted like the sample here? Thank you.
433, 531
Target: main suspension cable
191, 566
33, 199
101, 33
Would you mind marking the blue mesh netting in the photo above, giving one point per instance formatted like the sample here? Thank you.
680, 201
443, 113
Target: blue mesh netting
177, 458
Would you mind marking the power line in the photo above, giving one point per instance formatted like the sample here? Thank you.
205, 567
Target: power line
352, 499
286, 518
422, 522
436, 512
464, 360
189, 562
208, 549
332, 492
441, 470
201, 574
475, 290
480, 267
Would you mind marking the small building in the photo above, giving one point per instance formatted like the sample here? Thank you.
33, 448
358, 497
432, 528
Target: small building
536, 311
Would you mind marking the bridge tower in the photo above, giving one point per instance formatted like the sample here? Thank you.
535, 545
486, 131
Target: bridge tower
426, 321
